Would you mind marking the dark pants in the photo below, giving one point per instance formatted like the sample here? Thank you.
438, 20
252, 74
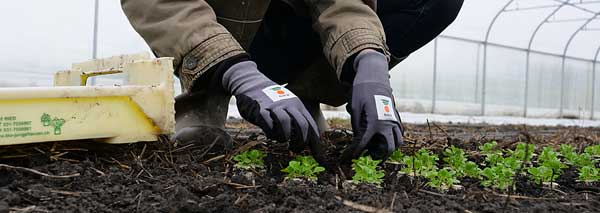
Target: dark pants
288, 50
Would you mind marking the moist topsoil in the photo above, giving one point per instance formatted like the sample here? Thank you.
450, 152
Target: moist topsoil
163, 176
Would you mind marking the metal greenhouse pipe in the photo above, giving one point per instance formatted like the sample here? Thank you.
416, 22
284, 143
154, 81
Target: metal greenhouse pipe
594, 81
537, 29
562, 78
434, 92
484, 71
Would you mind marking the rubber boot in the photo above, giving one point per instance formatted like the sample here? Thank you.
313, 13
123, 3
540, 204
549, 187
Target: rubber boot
200, 120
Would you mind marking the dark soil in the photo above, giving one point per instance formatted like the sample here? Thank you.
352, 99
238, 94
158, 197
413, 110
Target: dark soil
167, 177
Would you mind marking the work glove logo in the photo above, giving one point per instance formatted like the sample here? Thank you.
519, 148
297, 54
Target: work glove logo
277, 93
384, 107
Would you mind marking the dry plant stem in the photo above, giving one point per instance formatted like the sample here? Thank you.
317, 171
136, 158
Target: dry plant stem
393, 200
440, 128
430, 133
361, 207
38, 172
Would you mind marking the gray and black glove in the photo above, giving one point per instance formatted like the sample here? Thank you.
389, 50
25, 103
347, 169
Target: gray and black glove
275, 109
375, 120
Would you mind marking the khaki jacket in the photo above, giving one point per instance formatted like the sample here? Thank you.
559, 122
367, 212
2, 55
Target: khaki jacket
202, 33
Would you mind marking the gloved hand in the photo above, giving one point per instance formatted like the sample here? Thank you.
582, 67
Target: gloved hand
275, 109
375, 120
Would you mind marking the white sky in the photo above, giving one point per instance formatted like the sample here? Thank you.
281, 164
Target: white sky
40, 37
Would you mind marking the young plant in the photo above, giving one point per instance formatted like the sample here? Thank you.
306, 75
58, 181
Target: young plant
303, 167
541, 174
421, 164
583, 160
499, 176
568, 152
589, 174
493, 155
443, 179
512, 162
523, 152
250, 159
457, 160
550, 166
472, 170
594, 151
396, 157
366, 171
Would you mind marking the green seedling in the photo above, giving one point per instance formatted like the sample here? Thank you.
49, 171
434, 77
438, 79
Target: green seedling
581, 160
303, 167
366, 171
472, 170
250, 159
584, 159
490, 148
523, 152
421, 164
458, 162
589, 174
549, 158
568, 152
499, 176
594, 151
396, 157
442, 179
541, 174
550, 167
493, 155
547, 154
512, 163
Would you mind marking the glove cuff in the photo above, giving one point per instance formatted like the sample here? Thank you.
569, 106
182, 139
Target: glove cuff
243, 77
371, 67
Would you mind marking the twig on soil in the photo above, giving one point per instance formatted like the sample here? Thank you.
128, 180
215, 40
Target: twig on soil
183, 148
431, 193
139, 199
239, 185
558, 190
57, 156
75, 194
361, 207
524, 197
27, 209
38, 172
240, 199
214, 159
392, 203
120, 164
98, 171
209, 147
39, 150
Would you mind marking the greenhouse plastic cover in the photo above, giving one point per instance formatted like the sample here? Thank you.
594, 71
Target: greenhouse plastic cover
515, 74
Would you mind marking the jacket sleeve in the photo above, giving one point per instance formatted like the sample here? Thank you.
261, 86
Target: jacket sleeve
186, 30
346, 27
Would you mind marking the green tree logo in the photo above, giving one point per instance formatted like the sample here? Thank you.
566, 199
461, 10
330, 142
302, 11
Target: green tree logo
46, 119
57, 124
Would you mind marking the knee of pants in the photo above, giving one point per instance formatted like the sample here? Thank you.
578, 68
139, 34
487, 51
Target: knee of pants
412, 24
446, 10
